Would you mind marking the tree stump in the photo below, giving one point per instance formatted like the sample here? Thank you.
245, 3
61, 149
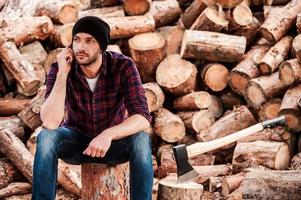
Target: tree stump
169, 189
104, 182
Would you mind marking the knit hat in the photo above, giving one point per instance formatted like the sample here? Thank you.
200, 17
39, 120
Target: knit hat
94, 26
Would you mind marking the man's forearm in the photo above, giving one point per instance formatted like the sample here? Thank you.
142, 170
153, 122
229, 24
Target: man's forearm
130, 126
52, 110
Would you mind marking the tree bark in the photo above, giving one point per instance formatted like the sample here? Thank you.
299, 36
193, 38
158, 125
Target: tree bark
14, 124
136, 7
8, 173
34, 53
16, 188
263, 88
211, 19
165, 12
290, 109
246, 69
173, 36
19, 31
215, 76
169, 126
176, 75
298, 23
31, 113
192, 13
114, 11
231, 183
104, 3
215, 183
296, 162
296, 47
12, 106
223, 3
62, 35
278, 53
274, 155
21, 69
62, 12
229, 99
196, 121
147, 51
125, 27
235, 120
290, 72
270, 109
276, 26
276, 185
105, 182
169, 189
211, 46
154, 96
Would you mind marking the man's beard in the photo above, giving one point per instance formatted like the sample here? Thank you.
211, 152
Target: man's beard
89, 60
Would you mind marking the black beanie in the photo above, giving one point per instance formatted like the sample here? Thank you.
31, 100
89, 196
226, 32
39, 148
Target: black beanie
94, 26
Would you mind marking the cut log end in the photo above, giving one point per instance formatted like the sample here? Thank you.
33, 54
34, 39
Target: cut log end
282, 158
147, 41
286, 74
254, 95
267, 35
238, 81
68, 14
265, 69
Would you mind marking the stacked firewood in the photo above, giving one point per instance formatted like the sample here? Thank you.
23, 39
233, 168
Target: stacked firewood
209, 68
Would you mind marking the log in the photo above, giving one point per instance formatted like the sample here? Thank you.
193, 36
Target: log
16, 188
104, 3
51, 58
259, 90
154, 96
173, 37
196, 121
234, 121
147, 51
136, 7
250, 31
168, 164
62, 35
276, 2
268, 9
21, 69
205, 172
296, 162
114, 11
215, 183
240, 16
164, 12
169, 189
214, 47
14, 124
62, 12
112, 177
223, 3
276, 26
211, 19
278, 53
290, 72
192, 13
290, 109
230, 99
31, 113
125, 27
296, 47
231, 183
34, 53
270, 109
261, 184
215, 76
40, 28
185, 3
177, 76
169, 126
274, 155
193, 101
12, 106
8, 173
298, 23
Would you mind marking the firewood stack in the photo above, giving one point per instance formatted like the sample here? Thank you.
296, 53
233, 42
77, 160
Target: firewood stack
209, 68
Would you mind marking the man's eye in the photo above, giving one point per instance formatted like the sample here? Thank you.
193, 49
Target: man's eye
76, 39
90, 41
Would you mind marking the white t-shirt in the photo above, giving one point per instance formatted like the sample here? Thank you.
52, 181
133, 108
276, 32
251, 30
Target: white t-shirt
92, 82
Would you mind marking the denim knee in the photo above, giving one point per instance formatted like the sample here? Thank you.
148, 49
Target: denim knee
47, 142
141, 146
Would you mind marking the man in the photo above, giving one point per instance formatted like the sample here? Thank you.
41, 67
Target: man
106, 111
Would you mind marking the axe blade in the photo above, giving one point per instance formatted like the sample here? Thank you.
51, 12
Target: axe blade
184, 170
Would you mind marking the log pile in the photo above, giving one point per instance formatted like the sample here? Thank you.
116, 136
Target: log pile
209, 68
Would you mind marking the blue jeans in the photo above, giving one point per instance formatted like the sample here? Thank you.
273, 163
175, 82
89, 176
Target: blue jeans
69, 145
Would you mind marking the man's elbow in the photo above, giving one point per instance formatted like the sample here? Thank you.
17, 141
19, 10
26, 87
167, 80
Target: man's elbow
51, 126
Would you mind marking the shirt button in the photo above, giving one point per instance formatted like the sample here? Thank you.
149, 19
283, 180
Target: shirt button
93, 101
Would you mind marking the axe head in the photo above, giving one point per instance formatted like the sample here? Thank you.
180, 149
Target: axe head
184, 170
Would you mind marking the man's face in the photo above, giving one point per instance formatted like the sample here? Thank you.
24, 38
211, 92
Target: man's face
86, 48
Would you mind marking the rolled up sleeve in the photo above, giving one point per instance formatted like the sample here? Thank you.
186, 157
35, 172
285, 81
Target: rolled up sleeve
133, 91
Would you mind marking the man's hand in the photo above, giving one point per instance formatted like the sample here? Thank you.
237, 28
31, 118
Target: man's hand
99, 146
64, 59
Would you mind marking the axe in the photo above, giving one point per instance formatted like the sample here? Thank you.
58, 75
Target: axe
183, 152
